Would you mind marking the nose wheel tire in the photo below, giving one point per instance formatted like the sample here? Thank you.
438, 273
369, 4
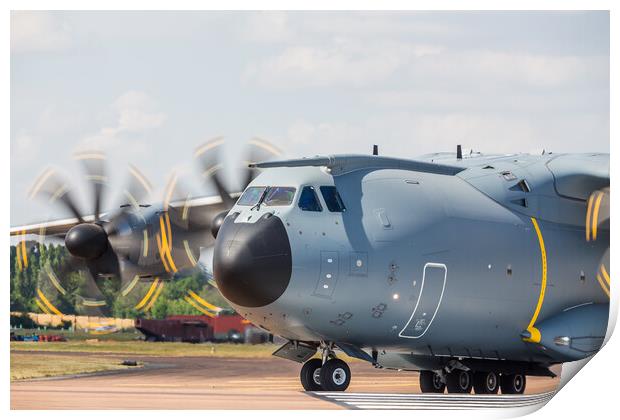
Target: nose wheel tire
310, 375
459, 382
431, 382
335, 375
513, 384
486, 382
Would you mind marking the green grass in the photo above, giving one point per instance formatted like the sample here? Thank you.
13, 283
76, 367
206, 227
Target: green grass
125, 335
28, 366
151, 349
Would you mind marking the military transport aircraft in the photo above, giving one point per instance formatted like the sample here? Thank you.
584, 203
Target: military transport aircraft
476, 270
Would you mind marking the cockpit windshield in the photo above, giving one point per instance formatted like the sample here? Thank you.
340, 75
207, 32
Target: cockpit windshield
251, 196
279, 196
268, 196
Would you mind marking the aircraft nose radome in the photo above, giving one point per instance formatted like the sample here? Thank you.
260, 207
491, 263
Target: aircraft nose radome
252, 261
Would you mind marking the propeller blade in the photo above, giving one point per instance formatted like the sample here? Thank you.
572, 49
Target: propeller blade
93, 163
129, 277
93, 299
24, 249
51, 185
260, 151
208, 159
61, 284
138, 190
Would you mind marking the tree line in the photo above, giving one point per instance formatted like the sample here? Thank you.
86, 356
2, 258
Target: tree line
65, 291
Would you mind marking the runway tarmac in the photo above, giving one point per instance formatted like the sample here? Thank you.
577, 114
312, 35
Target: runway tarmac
221, 383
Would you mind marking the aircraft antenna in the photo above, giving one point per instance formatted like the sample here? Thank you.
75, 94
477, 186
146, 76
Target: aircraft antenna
459, 152
375, 150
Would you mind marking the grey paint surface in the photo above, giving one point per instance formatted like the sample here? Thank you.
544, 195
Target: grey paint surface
358, 276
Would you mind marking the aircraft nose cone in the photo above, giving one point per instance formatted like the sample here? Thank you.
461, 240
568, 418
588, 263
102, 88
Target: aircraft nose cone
252, 261
86, 240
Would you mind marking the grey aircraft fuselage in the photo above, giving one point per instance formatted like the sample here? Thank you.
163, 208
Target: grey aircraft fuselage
426, 265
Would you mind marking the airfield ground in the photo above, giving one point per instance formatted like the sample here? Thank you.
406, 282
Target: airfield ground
179, 376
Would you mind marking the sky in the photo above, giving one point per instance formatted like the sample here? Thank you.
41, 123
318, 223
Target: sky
149, 87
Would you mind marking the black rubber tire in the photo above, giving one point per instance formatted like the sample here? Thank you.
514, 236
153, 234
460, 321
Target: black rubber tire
459, 382
309, 375
513, 384
430, 382
486, 382
335, 375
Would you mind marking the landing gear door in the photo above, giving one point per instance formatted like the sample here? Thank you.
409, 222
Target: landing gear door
329, 274
429, 301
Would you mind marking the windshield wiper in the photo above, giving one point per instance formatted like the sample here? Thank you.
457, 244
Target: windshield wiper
260, 200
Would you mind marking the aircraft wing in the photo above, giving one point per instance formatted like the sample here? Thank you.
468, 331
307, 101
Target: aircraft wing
340, 164
199, 208
50, 228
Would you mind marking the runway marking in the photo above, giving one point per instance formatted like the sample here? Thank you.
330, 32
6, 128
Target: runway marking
374, 401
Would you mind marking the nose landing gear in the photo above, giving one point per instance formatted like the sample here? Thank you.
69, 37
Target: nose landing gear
310, 375
335, 375
326, 374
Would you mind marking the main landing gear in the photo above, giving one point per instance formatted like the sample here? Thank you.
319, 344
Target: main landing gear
460, 381
326, 374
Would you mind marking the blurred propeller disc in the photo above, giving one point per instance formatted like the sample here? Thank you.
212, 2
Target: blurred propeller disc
93, 242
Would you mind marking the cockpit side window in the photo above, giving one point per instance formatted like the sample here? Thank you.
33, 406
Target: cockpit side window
279, 196
332, 199
251, 196
308, 200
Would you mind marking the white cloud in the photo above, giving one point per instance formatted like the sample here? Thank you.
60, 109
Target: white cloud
409, 134
135, 113
436, 99
24, 150
315, 28
37, 31
344, 62
267, 27
481, 67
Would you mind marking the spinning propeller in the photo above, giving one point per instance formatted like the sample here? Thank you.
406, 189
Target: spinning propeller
94, 243
195, 221
128, 253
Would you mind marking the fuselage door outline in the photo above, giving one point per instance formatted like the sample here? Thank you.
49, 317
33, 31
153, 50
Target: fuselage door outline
411, 321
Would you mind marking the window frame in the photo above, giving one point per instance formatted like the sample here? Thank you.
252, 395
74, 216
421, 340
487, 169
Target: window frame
316, 196
343, 207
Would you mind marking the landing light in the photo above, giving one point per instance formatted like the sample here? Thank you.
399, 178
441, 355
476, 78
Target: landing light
561, 341
395, 296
